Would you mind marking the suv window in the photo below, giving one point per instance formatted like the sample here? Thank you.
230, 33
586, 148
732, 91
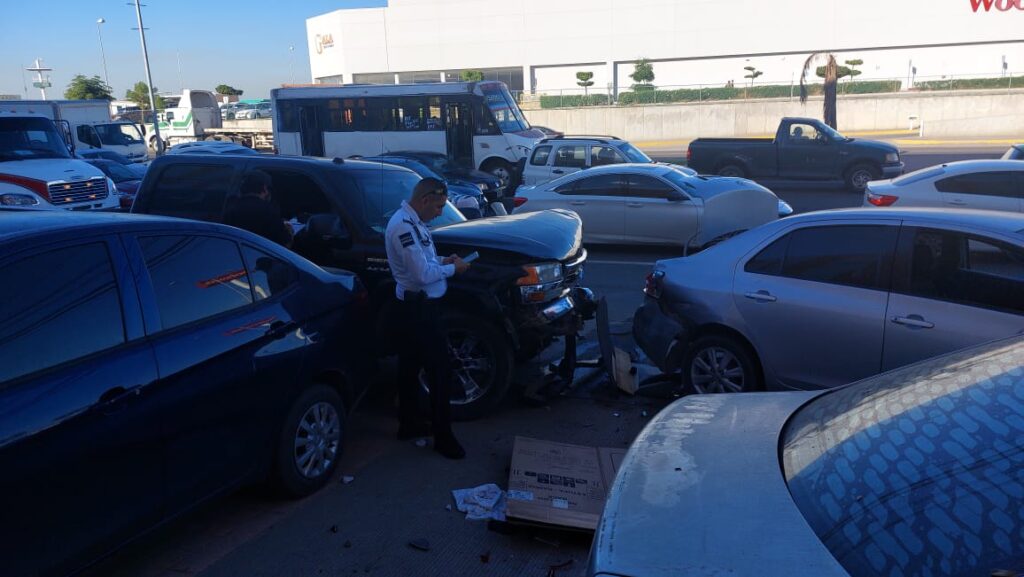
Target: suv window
602, 154
382, 193
850, 255
953, 266
573, 156
540, 156
269, 275
986, 183
803, 134
601, 185
191, 191
74, 313
643, 186
195, 277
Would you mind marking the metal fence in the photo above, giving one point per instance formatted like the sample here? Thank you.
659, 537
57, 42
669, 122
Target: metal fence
790, 89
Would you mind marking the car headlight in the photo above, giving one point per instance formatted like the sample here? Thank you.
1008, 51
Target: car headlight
13, 199
538, 274
892, 157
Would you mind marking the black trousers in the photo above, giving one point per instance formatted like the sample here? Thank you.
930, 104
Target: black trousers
423, 345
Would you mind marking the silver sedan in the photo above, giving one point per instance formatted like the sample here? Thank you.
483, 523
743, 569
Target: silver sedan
654, 204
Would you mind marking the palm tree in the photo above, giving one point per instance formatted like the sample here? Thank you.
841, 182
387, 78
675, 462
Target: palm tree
831, 79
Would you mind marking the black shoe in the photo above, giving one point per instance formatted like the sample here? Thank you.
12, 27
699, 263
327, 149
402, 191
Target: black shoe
449, 447
408, 431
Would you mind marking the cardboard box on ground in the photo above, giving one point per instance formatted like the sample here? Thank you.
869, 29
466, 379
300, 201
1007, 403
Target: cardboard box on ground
560, 484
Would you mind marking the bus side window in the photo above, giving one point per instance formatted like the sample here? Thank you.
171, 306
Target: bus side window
434, 121
484, 119
287, 116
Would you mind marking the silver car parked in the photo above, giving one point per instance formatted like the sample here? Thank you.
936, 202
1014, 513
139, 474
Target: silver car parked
822, 299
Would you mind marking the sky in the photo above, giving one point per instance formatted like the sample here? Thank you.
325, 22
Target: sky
240, 43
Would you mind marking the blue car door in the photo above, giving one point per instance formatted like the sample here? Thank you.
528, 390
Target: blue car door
79, 417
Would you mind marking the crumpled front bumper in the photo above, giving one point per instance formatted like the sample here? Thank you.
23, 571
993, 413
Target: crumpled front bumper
661, 337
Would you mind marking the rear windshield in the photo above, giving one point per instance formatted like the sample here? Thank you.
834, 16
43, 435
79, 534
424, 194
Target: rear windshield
917, 471
918, 175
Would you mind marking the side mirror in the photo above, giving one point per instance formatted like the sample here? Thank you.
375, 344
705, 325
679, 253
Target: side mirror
328, 229
169, 116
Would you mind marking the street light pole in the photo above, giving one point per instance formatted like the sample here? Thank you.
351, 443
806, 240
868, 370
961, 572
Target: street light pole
149, 80
103, 53
291, 65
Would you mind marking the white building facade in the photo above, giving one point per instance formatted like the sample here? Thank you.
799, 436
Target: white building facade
540, 45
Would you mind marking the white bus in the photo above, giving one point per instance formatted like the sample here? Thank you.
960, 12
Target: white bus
477, 124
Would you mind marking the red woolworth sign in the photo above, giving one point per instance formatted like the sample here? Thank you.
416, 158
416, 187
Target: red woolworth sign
1000, 5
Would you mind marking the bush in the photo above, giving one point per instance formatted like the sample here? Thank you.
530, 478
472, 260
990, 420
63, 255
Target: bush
573, 100
969, 83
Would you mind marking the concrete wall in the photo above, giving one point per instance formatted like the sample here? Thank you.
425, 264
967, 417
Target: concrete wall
959, 114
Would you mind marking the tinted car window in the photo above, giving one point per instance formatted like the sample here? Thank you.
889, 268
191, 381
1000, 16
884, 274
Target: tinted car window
987, 183
571, 156
195, 277
268, 275
540, 156
190, 191
917, 471
382, 193
56, 307
603, 154
643, 186
964, 269
769, 261
602, 185
859, 256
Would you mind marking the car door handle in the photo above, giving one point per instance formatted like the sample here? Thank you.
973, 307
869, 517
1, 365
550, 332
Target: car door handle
557, 171
914, 321
761, 297
577, 202
278, 329
635, 204
113, 400
958, 202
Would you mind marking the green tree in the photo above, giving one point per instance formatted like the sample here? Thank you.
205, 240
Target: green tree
853, 64
227, 90
472, 75
643, 75
584, 79
82, 88
752, 73
841, 72
830, 72
139, 94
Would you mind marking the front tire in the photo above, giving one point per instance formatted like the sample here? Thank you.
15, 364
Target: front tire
858, 177
720, 364
481, 360
310, 442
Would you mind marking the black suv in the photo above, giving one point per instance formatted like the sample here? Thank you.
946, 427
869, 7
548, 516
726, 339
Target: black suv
521, 293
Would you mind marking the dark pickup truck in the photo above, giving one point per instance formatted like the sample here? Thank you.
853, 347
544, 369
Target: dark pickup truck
521, 293
804, 149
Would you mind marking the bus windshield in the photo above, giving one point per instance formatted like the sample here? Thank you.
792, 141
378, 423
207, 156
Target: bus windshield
30, 138
504, 108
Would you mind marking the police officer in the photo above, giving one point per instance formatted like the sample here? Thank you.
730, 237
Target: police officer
421, 282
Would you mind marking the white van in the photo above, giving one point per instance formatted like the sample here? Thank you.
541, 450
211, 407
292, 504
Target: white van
91, 125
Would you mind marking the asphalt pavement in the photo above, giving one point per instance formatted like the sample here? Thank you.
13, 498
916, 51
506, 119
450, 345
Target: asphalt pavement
399, 491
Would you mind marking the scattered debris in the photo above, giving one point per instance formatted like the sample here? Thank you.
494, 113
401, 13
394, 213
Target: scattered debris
483, 502
643, 413
448, 507
347, 544
421, 443
616, 414
485, 557
421, 544
334, 528
346, 479
553, 569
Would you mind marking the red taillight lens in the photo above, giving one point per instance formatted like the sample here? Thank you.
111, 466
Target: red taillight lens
652, 284
520, 201
126, 201
881, 199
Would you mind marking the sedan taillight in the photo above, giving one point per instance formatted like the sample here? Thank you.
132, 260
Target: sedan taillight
520, 201
881, 199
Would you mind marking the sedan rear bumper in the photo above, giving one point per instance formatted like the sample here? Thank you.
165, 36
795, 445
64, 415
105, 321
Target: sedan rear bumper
659, 336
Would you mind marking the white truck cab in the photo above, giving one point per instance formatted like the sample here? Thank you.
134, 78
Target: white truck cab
186, 118
38, 171
91, 127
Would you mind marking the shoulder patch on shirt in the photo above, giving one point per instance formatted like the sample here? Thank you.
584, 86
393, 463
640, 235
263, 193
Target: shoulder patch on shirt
406, 239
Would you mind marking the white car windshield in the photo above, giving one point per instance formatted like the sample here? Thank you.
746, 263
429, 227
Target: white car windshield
30, 138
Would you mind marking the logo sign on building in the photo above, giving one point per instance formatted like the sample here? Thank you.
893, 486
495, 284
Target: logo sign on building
324, 41
999, 5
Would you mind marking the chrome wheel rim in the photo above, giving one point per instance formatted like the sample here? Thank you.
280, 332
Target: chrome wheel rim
860, 179
472, 368
316, 440
717, 370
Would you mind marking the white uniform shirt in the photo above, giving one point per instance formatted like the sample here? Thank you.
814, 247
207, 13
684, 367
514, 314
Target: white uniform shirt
412, 257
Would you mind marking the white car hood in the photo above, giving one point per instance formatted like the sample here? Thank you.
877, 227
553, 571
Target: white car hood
50, 169
736, 210
701, 492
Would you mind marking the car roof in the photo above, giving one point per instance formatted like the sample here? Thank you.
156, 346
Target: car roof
586, 137
17, 223
999, 221
981, 164
286, 159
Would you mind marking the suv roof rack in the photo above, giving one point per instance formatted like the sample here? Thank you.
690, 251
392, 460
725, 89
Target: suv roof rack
602, 138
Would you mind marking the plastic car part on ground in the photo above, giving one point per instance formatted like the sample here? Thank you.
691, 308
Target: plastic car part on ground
483, 502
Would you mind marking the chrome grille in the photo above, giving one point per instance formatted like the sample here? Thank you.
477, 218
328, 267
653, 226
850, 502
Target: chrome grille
572, 268
78, 191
